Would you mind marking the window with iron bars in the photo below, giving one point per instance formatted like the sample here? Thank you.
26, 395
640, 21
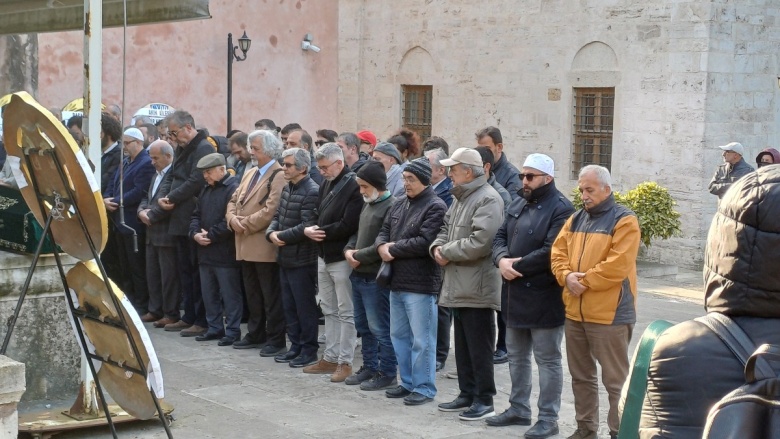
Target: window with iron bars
417, 108
594, 110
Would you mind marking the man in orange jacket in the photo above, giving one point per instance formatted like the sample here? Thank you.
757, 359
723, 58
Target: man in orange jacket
594, 259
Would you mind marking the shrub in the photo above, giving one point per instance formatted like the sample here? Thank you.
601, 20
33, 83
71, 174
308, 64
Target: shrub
654, 208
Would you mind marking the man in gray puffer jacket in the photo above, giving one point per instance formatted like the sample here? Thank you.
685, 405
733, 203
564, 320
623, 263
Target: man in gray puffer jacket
691, 368
472, 284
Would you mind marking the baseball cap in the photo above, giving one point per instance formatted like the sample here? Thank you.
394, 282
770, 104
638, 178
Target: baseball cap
466, 156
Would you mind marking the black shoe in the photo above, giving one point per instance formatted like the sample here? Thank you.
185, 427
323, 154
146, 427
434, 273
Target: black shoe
363, 374
542, 430
457, 405
226, 341
416, 399
287, 356
439, 365
379, 382
398, 392
303, 360
272, 351
500, 357
247, 343
477, 411
209, 336
506, 419
612, 435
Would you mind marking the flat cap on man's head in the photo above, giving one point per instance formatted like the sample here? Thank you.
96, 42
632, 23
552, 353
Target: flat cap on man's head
465, 156
211, 161
734, 146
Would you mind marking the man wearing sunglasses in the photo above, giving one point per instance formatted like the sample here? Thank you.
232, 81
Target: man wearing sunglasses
531, 297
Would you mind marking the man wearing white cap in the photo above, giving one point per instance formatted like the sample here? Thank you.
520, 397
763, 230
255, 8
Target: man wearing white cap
127, 188
733, 168
532, 301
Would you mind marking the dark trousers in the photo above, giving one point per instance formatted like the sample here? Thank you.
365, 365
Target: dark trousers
134, 266
475, 332
501, 341
163, 280
222, 296
299, 288
443, 334
264, 298
110, 258
189, 280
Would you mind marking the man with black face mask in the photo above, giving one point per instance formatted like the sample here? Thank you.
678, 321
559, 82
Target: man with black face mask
531, 299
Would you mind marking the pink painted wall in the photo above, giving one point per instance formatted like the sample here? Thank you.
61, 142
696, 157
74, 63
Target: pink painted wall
184, 64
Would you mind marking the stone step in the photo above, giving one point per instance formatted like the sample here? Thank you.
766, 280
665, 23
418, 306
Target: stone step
655, 269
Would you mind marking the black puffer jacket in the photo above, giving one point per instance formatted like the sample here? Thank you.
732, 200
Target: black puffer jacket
338, 216
529, 229
412, 224
691, 369
295, 213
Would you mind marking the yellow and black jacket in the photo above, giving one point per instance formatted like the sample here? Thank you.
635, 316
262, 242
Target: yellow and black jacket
602, 243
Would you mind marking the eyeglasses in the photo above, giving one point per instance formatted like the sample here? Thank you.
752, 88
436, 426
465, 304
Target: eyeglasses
175, 133
129, 142
325, 168
530, 177
320, 142
288, 165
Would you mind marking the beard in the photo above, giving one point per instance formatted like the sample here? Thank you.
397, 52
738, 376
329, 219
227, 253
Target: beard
371, 198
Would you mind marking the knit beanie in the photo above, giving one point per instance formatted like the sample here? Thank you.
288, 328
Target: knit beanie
389, 149
373, 172
421, 168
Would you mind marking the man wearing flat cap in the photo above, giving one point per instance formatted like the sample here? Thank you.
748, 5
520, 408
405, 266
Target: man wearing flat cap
219, 272
472, 285
388, 155
733, 168
122, 196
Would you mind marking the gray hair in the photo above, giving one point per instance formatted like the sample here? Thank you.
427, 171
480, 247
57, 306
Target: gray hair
435, 156
601, 173
301, 156
165, 147
476, 171
350, 139
180, 118
272, 146
329, 151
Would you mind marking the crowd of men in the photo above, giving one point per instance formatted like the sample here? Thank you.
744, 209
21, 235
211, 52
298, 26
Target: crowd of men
396, 242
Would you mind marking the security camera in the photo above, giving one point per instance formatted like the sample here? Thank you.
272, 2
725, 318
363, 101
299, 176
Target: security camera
305, 45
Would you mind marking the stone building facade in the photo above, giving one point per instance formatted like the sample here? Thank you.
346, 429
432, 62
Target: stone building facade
681, 77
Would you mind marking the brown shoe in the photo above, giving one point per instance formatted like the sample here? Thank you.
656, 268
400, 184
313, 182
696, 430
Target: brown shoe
178, 326
193, 331
164, 322
321, 366
343, 370
149, 317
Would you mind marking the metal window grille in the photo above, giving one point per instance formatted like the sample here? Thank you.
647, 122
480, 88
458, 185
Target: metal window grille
417, 108
594, 110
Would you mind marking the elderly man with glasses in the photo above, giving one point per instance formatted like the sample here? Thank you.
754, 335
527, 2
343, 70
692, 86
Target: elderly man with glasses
733, 168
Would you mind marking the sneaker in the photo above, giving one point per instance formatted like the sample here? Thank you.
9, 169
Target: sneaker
476, 412
542, 430
439, 365
303, 360
415, 398
321, 338
378, 382
272, 351
583, 433
500, 357
193, 331
287, 356
247, 343
453, 374
226, 341
322, 366
363, 374
208, 336
458, 404
506, 419
342, 372
397, 392
176, 326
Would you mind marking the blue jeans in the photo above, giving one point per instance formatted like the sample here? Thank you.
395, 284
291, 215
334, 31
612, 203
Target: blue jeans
413, 320
222, 286
545, 343
372, 320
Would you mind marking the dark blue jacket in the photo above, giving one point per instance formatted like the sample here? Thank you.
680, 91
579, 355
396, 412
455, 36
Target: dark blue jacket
209, 215
443, 191
508, 176
109, 162
137, 177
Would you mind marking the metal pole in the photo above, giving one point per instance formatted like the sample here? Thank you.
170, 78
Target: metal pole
230, 83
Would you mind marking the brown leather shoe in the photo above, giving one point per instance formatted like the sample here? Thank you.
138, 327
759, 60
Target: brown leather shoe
321, 366
178, 326
149, 317
193, 331
164, 322
343, 370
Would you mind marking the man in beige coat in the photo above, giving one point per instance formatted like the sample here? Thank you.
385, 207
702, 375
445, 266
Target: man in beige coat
249, 214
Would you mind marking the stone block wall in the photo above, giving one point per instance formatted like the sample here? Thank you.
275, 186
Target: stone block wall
689, 75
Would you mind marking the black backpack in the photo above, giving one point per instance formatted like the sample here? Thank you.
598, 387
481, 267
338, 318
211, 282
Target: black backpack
753, 409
